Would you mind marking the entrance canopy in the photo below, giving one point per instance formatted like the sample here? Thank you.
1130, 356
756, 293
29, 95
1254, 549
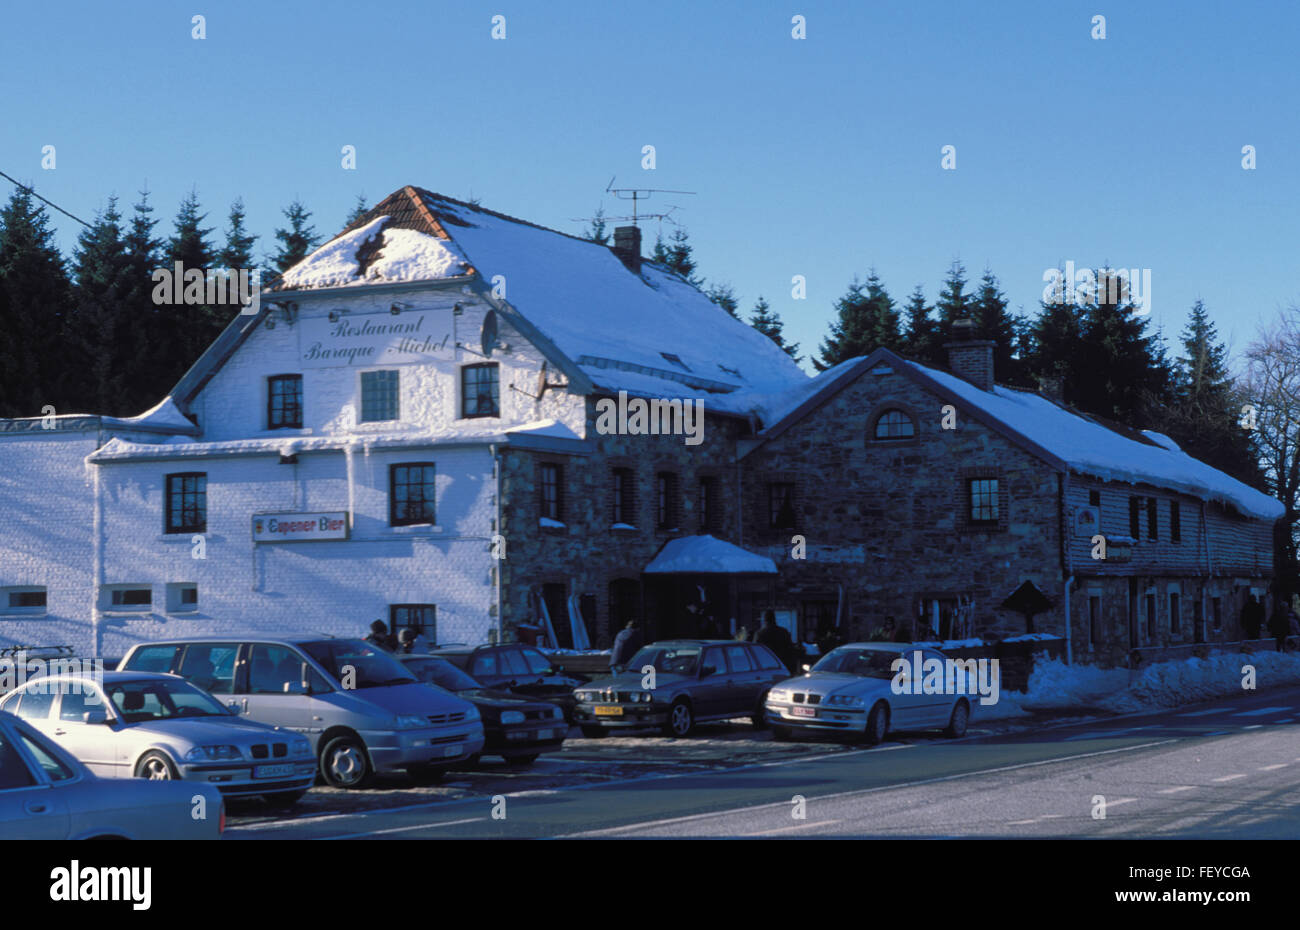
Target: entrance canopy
707, 555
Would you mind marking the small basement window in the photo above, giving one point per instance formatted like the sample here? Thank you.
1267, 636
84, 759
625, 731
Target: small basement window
22, 600
127, 598
182, 598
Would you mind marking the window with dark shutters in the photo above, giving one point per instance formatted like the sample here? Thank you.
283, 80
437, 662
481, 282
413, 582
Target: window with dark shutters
1153, 519
187, 503
1175, 522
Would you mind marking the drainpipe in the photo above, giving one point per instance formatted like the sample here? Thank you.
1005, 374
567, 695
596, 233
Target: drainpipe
496, 468
1069, 640
97, 566
1063, 486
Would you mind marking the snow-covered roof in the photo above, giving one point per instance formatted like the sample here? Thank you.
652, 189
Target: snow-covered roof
707, 555
164, 415
649, 333
1096, 450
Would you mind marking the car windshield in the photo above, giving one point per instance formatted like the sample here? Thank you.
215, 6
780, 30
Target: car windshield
441, 673
357, 664
865, 663
160, 699
673, 660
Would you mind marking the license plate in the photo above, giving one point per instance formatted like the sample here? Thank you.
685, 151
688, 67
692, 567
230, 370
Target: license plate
546, 734
804, 711
609, 712
453, 750
272, 771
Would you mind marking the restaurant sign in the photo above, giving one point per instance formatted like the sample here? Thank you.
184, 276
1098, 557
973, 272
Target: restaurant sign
376, 339
300, 527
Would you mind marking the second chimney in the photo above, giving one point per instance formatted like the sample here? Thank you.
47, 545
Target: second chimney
627, 246
970, 358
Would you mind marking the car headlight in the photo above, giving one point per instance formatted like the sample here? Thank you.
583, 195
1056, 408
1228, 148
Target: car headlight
585, 695
778, 695
411, 721
213, 753
302, 748
472, 713
844, 700
512, 716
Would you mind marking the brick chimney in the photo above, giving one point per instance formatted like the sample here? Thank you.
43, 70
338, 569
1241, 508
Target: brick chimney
970, 358
627, 246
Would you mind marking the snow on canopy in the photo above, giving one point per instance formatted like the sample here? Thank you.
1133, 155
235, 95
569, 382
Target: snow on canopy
1092, 449
163, 415
707, 555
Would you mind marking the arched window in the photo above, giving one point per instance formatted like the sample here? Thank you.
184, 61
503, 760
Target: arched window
894, 424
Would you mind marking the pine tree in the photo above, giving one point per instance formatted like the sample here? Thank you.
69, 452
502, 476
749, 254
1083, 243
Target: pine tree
768, 322
921, 338
866, 319
154, 328
296, 242
596, 231
238, 250
993, 322
195, 327
1054, 338
102, 341
359, 209
1203, 416
954, 303
35, 313
678, 255
724, 297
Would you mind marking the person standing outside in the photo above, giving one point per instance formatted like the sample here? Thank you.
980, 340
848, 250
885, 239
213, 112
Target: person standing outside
626, 643
777, 639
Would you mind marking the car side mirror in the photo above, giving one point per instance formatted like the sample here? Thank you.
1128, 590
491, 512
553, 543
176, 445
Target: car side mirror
708, 670
95, 717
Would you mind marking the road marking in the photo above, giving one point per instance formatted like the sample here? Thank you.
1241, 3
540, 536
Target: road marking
1021, 823
1106, 734
1254, 726
1119, 801
1229, 778
798, 826
1272, 768
418, 826
1260, 711
1205, 713
864, 791
1176, 790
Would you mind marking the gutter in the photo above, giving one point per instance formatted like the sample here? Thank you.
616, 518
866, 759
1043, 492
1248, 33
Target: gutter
496, 467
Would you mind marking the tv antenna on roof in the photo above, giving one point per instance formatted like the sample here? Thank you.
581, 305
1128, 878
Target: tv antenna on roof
637, 194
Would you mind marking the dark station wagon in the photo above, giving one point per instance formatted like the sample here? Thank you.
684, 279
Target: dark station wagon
693, 680
517, 668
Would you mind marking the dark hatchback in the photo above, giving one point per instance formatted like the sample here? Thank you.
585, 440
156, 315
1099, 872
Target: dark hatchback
516, 728
694, 680
516, 668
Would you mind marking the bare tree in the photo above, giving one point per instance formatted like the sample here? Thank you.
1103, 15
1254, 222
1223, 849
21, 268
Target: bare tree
1272, 384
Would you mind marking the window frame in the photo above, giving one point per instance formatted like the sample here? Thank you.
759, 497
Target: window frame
904, 418
668, 500
201, 504
429, 631
271, 396
465, 370
774, 512
550, 505
396, 395
1175, 522
431, 502
994, 496
1153, 519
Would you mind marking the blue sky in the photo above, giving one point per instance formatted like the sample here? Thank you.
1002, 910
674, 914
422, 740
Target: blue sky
818, 157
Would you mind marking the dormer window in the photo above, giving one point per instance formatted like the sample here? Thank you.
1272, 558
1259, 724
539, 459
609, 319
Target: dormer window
894, 424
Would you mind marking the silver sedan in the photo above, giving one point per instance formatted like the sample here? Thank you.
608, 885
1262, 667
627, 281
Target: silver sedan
163, 728
860, 690
46, 794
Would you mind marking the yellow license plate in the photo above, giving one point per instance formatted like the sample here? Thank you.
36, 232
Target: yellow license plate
609, 712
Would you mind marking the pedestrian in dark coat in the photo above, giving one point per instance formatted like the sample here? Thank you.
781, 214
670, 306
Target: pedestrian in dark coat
1279, 627
379, 636
1252, 618
777, 639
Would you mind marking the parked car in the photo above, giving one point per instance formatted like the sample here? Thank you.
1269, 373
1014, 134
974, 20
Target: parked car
163, 728
361, 709
46, 794
516, 728
850, 691
517, 668
695, 680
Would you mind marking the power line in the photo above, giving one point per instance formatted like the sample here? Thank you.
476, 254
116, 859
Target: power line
51, 203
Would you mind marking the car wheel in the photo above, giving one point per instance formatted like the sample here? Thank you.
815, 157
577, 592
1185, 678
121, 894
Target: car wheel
426, 774
957, 724
344, 763
681, 719
781, 734
759, 718
594, 732
877, 724
284, 798
155, 766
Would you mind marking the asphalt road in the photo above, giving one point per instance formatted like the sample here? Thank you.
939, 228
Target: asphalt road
1230, 769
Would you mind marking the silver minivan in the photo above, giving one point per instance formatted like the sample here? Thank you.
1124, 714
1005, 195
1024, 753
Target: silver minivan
362, 710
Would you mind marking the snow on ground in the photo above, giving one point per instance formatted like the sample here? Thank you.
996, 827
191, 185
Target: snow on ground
1054, 685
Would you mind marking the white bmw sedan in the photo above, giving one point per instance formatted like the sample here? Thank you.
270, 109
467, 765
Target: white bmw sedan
867, 690
161, 727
